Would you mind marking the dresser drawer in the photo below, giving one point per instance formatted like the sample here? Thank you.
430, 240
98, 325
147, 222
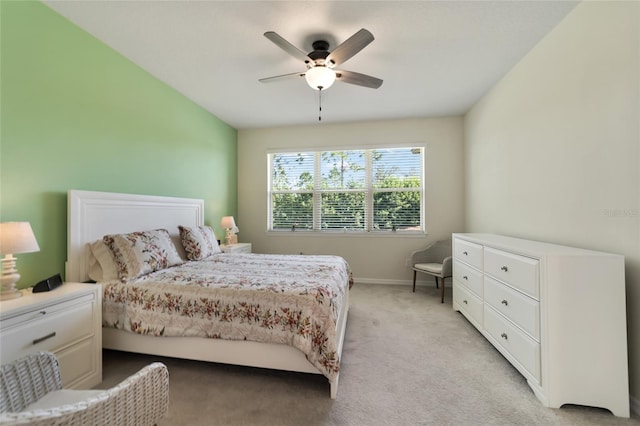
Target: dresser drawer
469, 277
470, 305
522, 310
518, 271
522, 347
47, 329
467, 252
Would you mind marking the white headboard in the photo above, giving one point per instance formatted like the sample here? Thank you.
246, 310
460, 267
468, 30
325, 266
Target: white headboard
91, 215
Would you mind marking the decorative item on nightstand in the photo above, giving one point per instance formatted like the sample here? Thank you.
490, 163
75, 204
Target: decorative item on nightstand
236, 248
230, 226
15, 237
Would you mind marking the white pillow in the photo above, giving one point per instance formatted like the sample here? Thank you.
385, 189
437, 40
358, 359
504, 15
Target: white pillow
102, 267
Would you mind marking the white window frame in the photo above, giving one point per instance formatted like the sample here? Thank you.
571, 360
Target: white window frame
369, 191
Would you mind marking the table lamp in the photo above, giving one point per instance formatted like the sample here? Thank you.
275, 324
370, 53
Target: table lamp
230, 226
15, 237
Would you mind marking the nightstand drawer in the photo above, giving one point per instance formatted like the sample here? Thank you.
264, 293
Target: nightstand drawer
518, 271
66, 321
77, 362
467, 252
469, 277
47, 329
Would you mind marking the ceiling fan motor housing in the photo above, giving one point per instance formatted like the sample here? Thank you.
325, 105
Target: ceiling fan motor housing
320, 52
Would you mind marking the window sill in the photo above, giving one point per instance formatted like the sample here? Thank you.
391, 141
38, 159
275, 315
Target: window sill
350, 234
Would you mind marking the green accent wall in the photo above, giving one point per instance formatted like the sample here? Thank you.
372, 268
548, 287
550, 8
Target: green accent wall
75, 114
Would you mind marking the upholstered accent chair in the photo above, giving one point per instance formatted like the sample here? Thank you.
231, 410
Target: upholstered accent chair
31, 393
435, 260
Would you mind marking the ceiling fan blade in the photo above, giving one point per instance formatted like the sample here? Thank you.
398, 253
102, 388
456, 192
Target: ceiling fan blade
358, 79
281, 77
286, 46
349, 47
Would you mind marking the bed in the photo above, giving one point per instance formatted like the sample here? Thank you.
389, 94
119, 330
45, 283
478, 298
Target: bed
293, 334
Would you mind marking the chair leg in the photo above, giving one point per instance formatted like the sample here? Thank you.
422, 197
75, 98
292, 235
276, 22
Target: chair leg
436, 281
442, 291
414, 281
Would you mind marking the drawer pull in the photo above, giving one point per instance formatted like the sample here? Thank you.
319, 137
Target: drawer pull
465, 278
465, 302
504, 336
43, 312
504, 302
465, 253
504, 268
43, 338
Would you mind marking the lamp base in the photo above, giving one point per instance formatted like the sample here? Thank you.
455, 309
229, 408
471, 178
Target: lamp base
9, 278
8, 295
231, 238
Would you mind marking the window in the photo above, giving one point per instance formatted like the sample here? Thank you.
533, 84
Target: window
363, 190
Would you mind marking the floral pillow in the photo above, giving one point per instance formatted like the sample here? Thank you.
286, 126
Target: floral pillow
200, 242
140, 253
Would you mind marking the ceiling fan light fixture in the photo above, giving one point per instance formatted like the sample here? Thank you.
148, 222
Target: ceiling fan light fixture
320, 77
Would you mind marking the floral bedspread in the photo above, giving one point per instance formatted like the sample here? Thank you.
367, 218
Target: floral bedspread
288, 299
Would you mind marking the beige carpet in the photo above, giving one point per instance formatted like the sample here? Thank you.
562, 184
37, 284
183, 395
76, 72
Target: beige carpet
407, 360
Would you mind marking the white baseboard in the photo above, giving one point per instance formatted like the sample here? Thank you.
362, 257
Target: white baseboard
634, 405
396, 282
379, 281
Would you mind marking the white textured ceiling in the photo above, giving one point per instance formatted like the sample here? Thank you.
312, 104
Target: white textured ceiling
436, 58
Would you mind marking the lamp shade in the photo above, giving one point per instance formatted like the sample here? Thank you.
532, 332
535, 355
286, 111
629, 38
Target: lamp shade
228, 222
320, 77
17, 237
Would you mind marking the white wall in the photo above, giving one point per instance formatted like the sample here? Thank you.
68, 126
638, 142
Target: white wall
552, 151
372, 258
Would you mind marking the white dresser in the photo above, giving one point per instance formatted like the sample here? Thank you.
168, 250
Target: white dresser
66, 321
557, 313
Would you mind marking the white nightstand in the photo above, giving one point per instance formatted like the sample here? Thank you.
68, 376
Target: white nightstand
66, 321
236, 248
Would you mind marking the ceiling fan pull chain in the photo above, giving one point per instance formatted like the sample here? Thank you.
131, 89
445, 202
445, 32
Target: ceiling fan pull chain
320, 103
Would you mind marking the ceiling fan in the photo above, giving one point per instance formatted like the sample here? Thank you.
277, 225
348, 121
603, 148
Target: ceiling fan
320, 63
